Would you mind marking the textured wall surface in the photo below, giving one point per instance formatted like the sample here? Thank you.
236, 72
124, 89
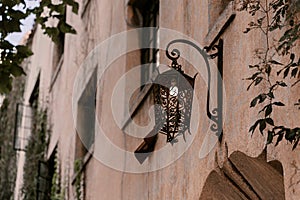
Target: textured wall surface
185, 177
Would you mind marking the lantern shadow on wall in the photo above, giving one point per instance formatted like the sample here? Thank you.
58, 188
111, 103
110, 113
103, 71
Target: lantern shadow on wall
173, 98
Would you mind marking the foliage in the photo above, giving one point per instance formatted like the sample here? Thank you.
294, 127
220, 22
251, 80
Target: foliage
11, 21
34, 153
78, 179
273, 18
56, 192
7, 153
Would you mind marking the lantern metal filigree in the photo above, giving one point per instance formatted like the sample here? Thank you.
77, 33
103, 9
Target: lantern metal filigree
173, 98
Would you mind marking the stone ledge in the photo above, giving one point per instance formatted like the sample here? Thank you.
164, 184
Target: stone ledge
220, 25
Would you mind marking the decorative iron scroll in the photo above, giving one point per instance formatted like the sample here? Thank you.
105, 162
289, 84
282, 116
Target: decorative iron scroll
215, 115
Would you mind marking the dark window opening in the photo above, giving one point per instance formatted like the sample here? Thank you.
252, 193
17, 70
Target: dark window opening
149, 11
86, 116
46, 170
23, 119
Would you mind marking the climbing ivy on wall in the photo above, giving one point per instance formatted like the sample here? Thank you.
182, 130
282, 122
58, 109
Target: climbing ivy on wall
35, 151
57, 189
278, 64
7, 153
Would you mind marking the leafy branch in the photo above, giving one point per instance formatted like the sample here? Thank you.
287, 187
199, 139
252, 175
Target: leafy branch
12, 56
273, 17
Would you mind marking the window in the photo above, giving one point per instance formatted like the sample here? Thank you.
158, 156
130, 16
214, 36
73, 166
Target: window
85, 136
23, 119
86, 115
46, 170
145, 14
149, 38
57, 57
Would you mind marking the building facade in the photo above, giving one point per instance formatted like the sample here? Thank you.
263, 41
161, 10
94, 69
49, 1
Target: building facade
98, 91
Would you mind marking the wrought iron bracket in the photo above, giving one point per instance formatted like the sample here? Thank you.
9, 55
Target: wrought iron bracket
215, 51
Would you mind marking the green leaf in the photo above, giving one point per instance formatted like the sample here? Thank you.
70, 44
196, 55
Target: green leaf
12, 25
253, 102
262, 98
270, 137
254, 66
283, 84
258, 80
278, 103
290, 135
279, 138
17, 71
6, 83
262, 126
24, 51
66, 28
292, 57
75, 7
270, 121
253, 127
275, 62
296, 143
294, 72
286, 72
268, 110
271, 95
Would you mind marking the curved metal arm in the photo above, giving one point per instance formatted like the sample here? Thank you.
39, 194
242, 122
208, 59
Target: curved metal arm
175, 54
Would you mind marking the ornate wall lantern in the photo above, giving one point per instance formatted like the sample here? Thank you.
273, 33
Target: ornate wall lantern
173, 98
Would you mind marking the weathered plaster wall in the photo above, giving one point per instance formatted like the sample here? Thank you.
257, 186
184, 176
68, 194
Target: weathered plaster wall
184, 178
